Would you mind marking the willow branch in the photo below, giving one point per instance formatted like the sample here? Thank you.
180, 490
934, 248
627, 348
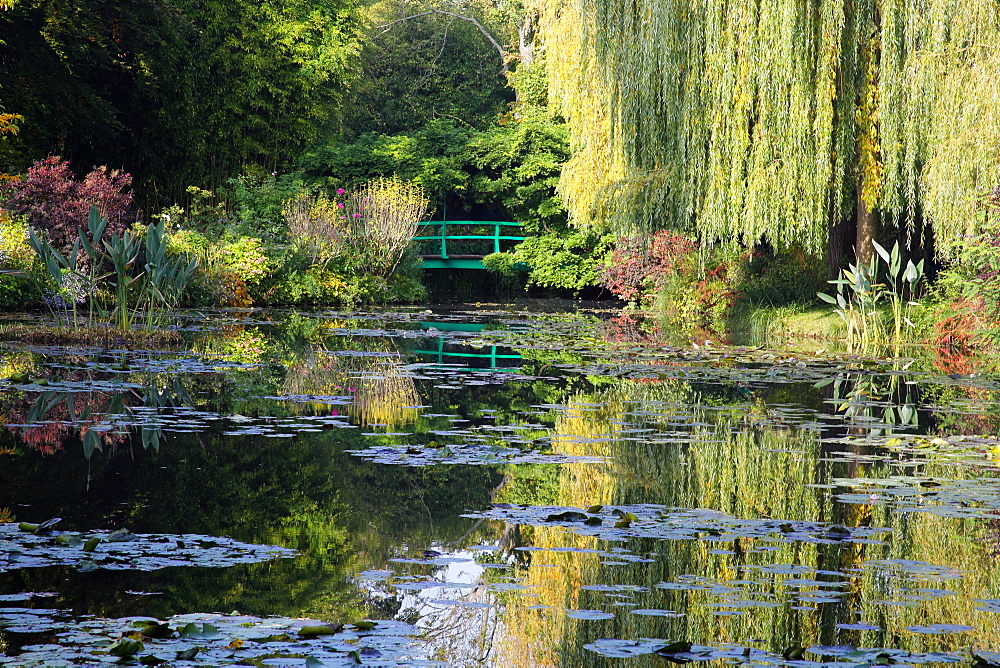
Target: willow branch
504, 60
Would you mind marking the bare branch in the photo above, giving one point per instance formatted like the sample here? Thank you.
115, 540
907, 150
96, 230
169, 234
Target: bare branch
504, 57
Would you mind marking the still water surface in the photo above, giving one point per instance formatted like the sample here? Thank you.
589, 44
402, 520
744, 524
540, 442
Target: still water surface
502, 488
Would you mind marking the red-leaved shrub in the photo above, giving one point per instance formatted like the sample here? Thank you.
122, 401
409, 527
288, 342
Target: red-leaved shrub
636, 269
53, 201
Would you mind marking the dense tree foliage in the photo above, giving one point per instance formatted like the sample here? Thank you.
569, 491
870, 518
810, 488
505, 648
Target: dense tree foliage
418, 65
175, 92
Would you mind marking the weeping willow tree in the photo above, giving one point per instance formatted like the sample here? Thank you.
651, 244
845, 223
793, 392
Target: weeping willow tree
779, 119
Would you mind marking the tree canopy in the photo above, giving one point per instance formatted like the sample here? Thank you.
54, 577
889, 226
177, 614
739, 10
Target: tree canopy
179, 91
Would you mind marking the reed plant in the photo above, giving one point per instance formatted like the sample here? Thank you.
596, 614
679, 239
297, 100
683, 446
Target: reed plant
863, 291
145, 279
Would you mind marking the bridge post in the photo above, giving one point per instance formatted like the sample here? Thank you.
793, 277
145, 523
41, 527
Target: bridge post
444, 241
496, 238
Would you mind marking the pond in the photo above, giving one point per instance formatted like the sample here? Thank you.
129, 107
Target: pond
483, 486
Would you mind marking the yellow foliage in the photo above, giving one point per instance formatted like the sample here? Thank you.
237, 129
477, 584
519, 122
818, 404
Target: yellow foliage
8, 122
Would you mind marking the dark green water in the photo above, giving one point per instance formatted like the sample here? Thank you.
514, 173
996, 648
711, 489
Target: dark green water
444, 471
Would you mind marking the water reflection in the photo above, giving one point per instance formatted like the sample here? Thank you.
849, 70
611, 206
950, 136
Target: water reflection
271, 433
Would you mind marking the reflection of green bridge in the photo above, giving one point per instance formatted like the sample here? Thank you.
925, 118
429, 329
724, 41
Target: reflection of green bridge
450, 357
443, 259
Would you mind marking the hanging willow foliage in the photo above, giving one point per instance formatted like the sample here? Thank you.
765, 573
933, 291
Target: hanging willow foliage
745, 120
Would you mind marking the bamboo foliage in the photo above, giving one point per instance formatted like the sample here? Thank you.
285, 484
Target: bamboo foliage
746, 120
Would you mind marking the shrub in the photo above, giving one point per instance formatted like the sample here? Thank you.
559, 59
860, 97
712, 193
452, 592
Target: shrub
309, 286
256, 204
777, 278
230, 272
16, 255
54, 202
316, 226
570, 260
636, 272
695, 288
381, 219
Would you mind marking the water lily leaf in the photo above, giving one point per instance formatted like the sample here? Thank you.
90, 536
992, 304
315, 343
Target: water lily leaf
589, 615
793, 653
130, 551
568, 516
674, 647
125, 647
69, 540
154, 629
48, 524
120, 536
320, 630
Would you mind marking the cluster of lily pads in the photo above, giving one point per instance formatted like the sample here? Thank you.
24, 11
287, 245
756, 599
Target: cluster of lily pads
796, 655
206, 640
38, 545
620, 523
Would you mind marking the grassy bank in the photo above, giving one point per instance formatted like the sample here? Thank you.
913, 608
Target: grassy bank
756, 324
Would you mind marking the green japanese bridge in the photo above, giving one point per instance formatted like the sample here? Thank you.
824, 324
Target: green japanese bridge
443, 356
467, 246
494, 358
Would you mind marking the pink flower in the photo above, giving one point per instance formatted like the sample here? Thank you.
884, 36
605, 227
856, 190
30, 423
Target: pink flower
357, 215
341, 191
340, 205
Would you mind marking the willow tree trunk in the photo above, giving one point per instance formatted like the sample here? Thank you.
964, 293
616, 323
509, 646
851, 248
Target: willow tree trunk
867, 220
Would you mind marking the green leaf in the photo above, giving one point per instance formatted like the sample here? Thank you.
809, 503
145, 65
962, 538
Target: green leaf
91, 442
793, 653
316, 630
125, 647
883, 253
153, 629
68, 540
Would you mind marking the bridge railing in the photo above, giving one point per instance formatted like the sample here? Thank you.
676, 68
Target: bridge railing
441, 237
